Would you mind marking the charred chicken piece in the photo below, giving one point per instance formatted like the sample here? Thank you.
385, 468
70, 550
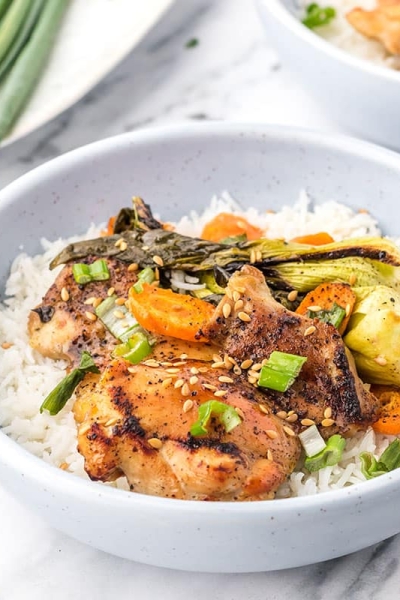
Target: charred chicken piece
257, 325
382, 24
135, 421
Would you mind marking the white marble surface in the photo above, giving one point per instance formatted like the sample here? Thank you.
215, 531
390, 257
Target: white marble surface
232, 74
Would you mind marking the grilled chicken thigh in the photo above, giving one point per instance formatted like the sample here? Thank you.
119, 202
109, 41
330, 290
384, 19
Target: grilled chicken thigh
63, 325
257, 325
135, 420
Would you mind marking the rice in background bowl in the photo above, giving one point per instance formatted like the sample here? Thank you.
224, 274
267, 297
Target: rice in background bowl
261, 166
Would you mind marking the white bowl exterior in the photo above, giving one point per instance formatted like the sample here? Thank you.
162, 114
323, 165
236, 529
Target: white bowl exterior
176, 170
359, 96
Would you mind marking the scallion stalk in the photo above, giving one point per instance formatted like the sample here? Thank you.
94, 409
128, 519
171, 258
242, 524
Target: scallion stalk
389, 460
312, 441
97, 271
121, 328
334, 316
227, 415
329, 456
135, 349
281, 371
144, 276
317, 15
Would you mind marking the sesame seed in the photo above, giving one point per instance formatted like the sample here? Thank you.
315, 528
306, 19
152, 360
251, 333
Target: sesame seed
367, 386
290, 412
289, 431
270, 455
110, 291
315, 308
187, 405
158, 260
348, 309
179, 383
84, 428
217, 358
193, 380
179, 363
90, 316
185, 390
252, 257
194, 370
167, 364
64, 466
64, 294
111, 422
172, 371
118, 314
253, 380
167, 382
202, 369
133, 267
240, 412
282, 414
145, 248
224, 379
151, 363
251, 373
237, 370
97, 302
118, 242
226, 310
240, 289
209, 386
258, 255
183, 356
292, 296
157, 274
238, 305
120, 301
380, 360
228, 292
352, 279
123, 246
228, 362
263, 409
6, 345
89, 301
220, 393
328, 413
244, 317
236, 296
327, 422
309, 331
292, 418
307, 422
272, 434
257, 367
246, 364
264, 362
155, 443
218, 365
132, 370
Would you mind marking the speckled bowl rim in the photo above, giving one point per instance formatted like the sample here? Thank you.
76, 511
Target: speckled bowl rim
19, 460
289, 21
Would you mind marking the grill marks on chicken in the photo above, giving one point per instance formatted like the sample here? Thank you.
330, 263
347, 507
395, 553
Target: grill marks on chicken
61, 329
132, 421
261, 325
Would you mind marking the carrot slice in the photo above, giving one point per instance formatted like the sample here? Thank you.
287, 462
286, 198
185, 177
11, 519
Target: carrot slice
227, 225
325, 296
389, 413
314, 239
166, 313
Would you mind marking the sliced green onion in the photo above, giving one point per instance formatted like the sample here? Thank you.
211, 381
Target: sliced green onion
144, 276
58, 398
135, 349
234, 239
281, 371
389, 460
121, 328
329, 456
227, 415
317, 16
334, 316
97, 271
312, 441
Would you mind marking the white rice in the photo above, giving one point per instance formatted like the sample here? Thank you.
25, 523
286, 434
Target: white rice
27, 377
340, 33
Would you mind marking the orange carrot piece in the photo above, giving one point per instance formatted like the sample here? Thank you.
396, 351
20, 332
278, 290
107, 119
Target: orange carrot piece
227, 225
389, 412
166, 313
325, 296
314, 239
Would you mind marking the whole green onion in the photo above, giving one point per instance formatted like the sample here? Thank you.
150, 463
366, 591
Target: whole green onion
281, 371
227, 415
97, 271
10, 25
389, 460
329, 456
317, 16
58, 398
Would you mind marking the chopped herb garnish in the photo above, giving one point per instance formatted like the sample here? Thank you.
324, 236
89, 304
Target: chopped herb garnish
312, 441
334, 316
145, 276
329, 456
97, 271
192, 43
389, 460
58, 398
281, 371
227, 415
317, 15
135, 349
123, 328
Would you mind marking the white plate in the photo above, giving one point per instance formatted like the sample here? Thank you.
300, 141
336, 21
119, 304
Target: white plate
94, 37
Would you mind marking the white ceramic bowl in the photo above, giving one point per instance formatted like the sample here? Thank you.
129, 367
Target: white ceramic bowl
359, 95
174, 170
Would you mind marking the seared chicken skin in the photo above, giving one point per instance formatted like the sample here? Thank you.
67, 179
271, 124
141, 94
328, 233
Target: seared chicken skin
260, 325
135, 420
63, 325
382, 24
